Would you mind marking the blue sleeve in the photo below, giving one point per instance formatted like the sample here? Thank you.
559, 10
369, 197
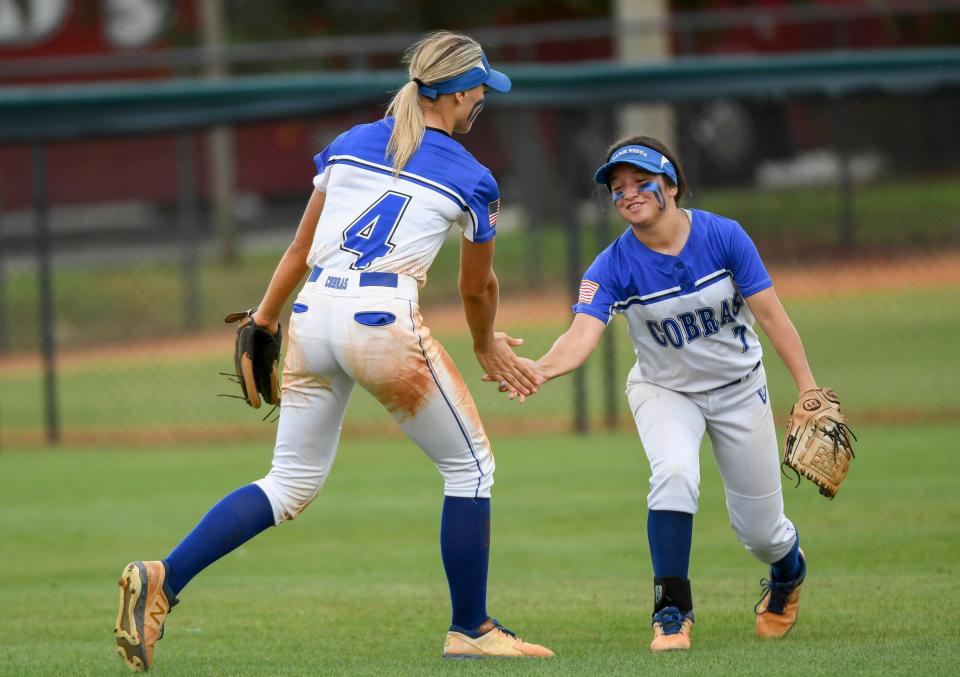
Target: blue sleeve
484, 207
321, 160
323, 157
597, 293
744, 263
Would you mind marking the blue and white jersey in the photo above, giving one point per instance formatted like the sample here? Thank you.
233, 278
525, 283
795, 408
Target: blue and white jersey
690, 327
374, 221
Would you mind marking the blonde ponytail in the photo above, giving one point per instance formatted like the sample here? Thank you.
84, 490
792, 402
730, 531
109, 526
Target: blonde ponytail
408, 126
438, 56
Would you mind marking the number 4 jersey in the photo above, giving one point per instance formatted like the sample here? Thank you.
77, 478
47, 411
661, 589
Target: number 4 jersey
375, 221
690, 327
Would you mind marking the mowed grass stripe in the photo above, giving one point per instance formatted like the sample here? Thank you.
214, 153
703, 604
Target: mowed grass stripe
355, 585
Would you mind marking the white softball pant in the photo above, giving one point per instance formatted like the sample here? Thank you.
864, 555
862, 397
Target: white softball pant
348, 327
740, 424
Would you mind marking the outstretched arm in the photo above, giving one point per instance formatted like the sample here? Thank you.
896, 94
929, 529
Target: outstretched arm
292, 267
480, 292
773, 319
573, 347
568, 352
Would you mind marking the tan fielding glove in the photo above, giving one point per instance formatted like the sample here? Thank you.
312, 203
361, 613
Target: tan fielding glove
817, 445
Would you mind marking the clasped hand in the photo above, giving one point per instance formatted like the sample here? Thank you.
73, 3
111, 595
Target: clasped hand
517, 376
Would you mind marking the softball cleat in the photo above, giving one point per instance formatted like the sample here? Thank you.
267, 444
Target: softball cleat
671, 630
779, 606
495, 642
143, 607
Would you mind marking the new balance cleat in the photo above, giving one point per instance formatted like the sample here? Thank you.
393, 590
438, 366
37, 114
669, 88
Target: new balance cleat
671, 630
494, 642
144, 604
779, 606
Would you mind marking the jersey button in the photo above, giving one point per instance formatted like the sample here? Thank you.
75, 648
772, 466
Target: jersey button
683, 277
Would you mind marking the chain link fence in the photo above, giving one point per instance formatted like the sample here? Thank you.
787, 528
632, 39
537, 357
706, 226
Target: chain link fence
852, 200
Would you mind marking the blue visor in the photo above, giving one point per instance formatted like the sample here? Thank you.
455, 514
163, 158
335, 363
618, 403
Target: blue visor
641, 157
481, 74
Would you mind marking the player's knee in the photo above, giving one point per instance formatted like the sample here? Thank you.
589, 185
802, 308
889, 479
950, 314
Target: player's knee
471, 488
290, 495
764, 549
467, 478
767, 540
674, 486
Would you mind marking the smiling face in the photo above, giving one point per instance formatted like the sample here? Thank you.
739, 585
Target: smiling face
638, 207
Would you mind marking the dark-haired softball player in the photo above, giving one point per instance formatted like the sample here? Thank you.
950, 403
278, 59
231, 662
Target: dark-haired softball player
386, 194
691, 284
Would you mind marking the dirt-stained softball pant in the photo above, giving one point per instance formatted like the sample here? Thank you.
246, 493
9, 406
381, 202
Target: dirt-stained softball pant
351, 327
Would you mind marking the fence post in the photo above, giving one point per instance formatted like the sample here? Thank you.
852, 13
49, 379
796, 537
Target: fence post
571, 205
610, 391
843, 123
44, 273
187, 228
4, 314
848, 235
221, 153
528, 156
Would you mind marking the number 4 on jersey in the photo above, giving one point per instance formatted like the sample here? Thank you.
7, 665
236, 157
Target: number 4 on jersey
369, 235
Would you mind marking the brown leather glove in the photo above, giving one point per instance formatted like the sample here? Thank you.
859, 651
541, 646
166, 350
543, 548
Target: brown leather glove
817, 445
256, 356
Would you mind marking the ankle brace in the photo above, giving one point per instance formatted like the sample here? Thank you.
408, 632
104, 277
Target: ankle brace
672, 591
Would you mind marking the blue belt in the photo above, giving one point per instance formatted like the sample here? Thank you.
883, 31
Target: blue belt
366, 279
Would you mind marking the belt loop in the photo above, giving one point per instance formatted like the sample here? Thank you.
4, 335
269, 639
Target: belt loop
750, 373
742, 379
315, 274
378, 280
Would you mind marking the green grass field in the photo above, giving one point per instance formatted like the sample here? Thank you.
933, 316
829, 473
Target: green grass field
884, 353
355, 585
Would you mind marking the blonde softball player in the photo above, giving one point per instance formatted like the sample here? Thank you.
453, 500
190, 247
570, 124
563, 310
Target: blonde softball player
691, 284
385, 196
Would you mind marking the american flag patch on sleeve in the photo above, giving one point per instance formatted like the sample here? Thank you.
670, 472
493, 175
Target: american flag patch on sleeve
493, 210
588, 290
